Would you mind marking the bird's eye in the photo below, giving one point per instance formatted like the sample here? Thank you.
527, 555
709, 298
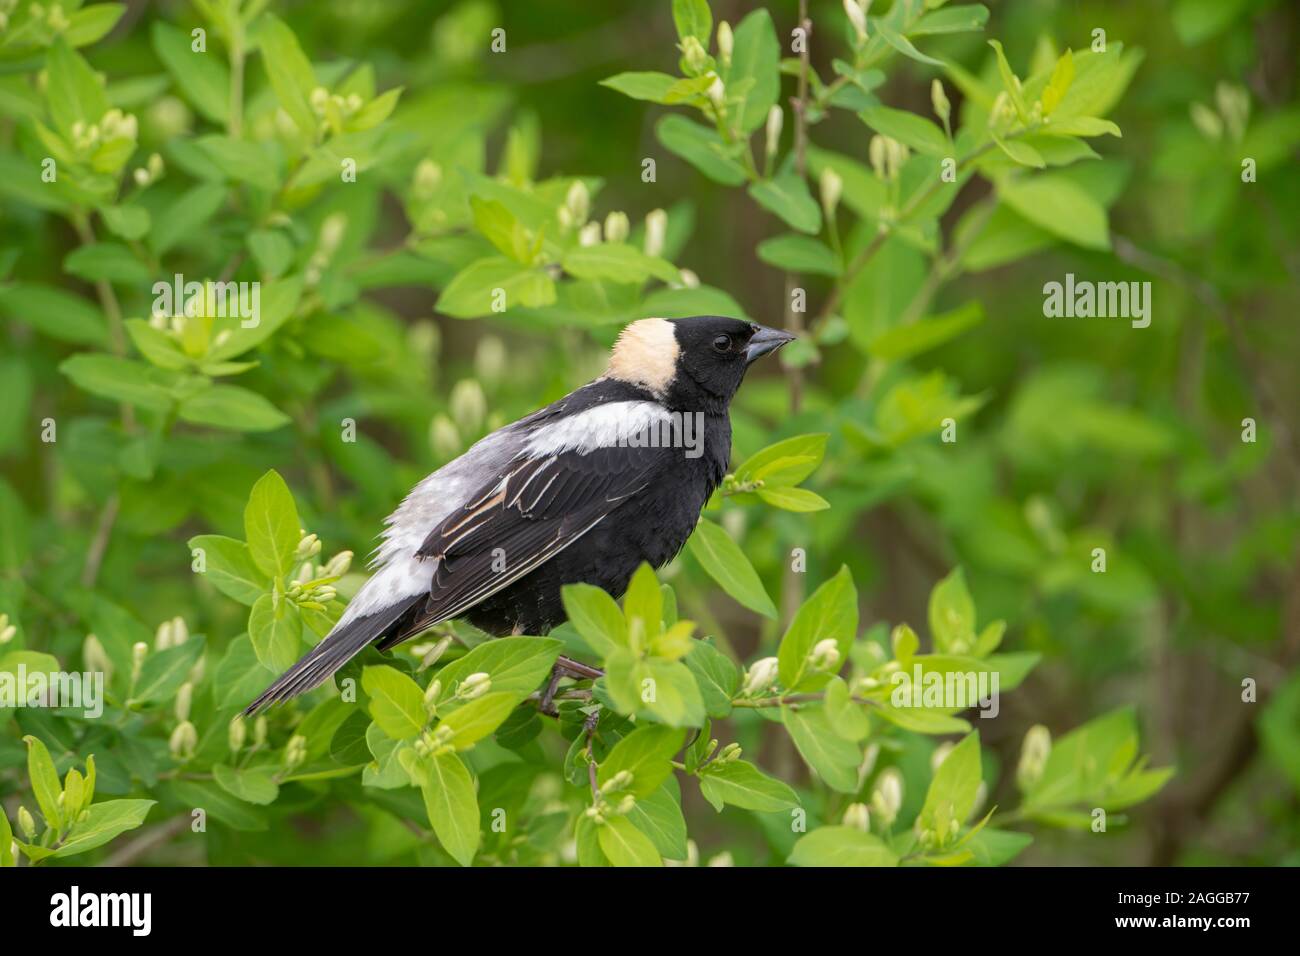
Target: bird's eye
722, 343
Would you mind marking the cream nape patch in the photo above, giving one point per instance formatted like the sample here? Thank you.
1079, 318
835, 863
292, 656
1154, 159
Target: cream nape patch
646, 355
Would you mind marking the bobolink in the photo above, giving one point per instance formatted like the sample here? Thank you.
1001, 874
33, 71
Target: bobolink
584, 490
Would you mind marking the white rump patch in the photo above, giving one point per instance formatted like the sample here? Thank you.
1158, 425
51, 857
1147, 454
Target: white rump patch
603, 426
646, 355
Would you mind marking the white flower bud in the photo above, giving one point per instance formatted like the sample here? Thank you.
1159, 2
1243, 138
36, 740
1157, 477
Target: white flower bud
775, 120
490, 359
876, 153
339, 564
717, 93
475, 685
93, 656
183, 740
139, 651
760, 676
578, 201
468, 405
858, 17
825, 655
236, 733
887, 797
857, 816
26, 823
180, 631
319, 100
726, 42
444, 437
694, 54
616, 227
428, 175
162, 637
939, 755
939, 100
431, 694
689, 279
656, 231
1034, 751
831, 188
184, 697
589, 235
434, 653
1206, 121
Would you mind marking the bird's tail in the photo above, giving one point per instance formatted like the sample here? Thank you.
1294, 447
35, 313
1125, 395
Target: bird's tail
348, 639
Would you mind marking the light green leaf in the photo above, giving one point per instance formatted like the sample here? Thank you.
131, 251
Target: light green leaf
474, 720
276, 632
835, 759
102, 823
796, 253
450, 802
727, 564
596, 616
841, 846
625, 845
647, 754
232, 407
254, 785
476, 289
271, 525
1056, 204
908, 128
228, 566
44, 781
396, 702
516, 665
756, 56
702, 147
787, 196
203, 78
830, 613
163, 672
952, 792
741, 784
693, 19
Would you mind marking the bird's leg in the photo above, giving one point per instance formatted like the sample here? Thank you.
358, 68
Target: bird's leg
565, 667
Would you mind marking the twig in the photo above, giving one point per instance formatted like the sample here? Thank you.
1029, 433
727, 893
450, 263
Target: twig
99, 544
147, 841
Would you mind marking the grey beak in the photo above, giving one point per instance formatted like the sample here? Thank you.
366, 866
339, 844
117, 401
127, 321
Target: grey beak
765, 340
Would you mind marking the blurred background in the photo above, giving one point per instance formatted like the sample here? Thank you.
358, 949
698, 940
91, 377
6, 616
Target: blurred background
1088, 433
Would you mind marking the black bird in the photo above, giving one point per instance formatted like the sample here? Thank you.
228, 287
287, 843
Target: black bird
584, 490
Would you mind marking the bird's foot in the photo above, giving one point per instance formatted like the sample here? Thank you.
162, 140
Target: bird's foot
565, 667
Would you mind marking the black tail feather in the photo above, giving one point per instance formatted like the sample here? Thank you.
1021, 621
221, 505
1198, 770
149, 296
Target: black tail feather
339, 646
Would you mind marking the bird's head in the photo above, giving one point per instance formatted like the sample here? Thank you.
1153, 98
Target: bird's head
693, 364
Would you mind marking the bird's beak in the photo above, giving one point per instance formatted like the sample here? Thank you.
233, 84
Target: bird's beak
765, 340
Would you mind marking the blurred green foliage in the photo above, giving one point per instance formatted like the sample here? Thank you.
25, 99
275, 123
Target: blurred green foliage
449, 210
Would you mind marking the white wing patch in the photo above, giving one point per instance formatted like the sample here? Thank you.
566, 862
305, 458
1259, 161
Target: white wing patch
613, 423
399, 574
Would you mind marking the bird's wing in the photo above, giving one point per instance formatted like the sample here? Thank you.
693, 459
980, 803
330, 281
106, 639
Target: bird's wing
515, 524
539, 485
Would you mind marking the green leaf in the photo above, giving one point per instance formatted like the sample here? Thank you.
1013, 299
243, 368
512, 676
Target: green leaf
241, 161
739, 783
128, 221
617, 262
1059, 84
102, 823
847, 717
647, 754
841, 846
228, 566
908, 128
232, 407
240, 676
396, 702
643, 607
625, 845
952, 793
44, 780
830, 613
702, 147
663, 689
122, 380
835, 759
652, 87
716, 676
786, 462
276, 632
475, 290
73, 91
727, 564
474, 720
156, 345
203, 78
92, 23
1020, 151
516, 665
271, 525
693, 19
905, 341
184, 218
219, 805
787, 196
903, 45
451, 804
54, 312
254, 785
107, 261
756, 57
659, 816
956, 19
1056, 204
7, 840
163, 672
596, 616
796, 253
952, 614
800, 500
1010, 82
290, 72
